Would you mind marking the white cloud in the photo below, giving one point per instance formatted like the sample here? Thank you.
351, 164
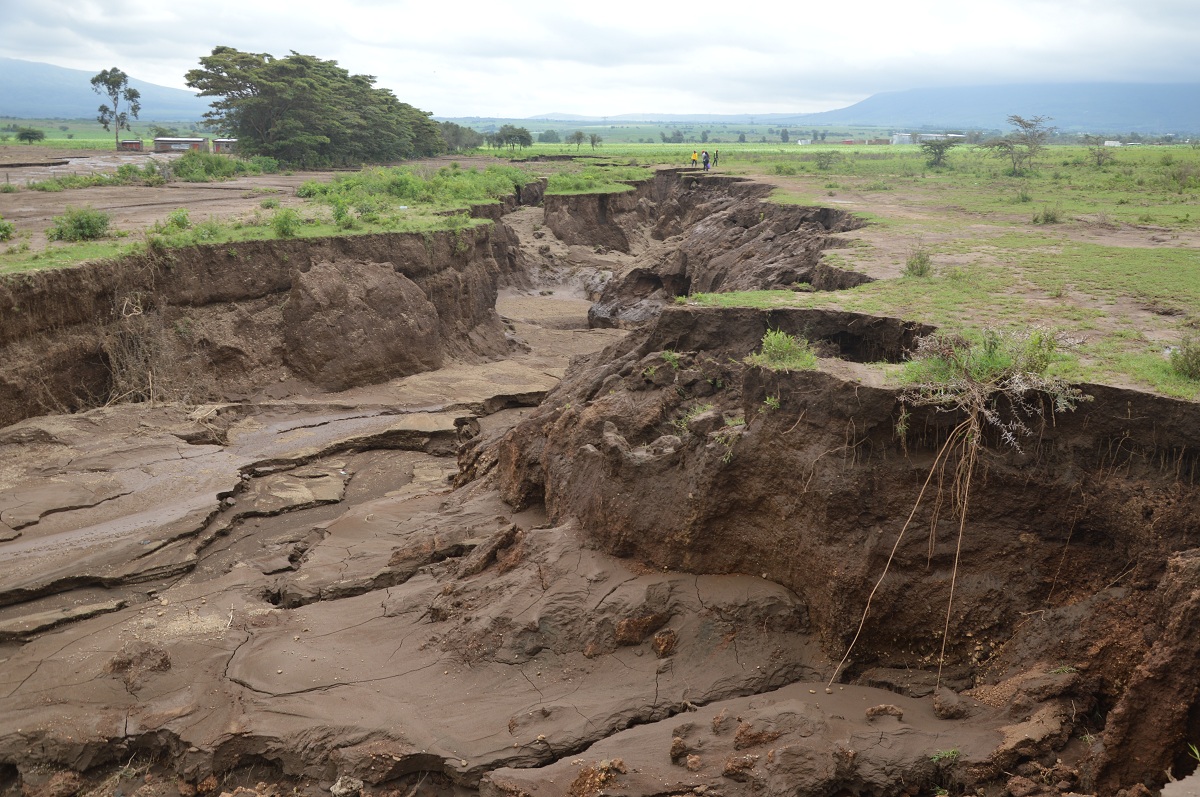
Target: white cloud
476, 58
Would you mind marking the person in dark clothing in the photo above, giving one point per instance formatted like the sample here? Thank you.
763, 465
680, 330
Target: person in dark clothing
716, 157
704, 159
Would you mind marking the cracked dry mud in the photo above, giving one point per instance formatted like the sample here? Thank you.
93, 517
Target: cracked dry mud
518, 577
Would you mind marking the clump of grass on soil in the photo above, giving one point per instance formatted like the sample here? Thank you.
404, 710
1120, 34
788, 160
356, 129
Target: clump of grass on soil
79, 224
783, 352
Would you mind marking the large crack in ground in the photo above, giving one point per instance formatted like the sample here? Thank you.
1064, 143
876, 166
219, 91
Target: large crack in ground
330, 604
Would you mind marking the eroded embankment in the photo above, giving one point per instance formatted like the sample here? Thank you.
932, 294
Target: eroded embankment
207, 322
1075, 559
290, 589
717, 234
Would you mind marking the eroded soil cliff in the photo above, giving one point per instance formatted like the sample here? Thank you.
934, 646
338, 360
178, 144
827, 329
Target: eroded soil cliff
647, 574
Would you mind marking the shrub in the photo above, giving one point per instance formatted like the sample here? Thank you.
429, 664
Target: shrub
79, 224
264, 164
1048, 215
269, 204
919, 263
1185, 358
286, 223
783, 352
8, 188
204, 167
178, 219
826, 160
7, 230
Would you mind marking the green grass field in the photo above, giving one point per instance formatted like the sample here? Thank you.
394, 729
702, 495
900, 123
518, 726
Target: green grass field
1106, 255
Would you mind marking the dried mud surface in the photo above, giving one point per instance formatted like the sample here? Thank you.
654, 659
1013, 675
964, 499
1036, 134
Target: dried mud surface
533, 554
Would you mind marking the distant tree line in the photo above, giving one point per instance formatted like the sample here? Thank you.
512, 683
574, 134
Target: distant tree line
511, 137
309, 112
459, 138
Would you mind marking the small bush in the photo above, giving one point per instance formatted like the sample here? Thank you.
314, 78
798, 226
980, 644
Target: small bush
269, 204
1048, 215
783, 352
286, 223
79, 224
264, 164
783, 168
1185, 358
9, 188
178, 219
7, 230
826, 160
209, 230
919, 263
204, 167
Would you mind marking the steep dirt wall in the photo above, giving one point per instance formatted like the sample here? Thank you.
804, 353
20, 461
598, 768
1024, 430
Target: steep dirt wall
807, 478
722, 236
215, 314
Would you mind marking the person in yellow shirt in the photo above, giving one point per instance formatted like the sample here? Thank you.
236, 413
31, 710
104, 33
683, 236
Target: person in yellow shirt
695, 157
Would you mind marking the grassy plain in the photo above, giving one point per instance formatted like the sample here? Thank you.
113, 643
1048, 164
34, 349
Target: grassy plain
1106, 255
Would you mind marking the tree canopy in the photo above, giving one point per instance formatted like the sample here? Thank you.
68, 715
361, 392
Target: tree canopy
935, 149
1024, 143
30, 134
459, 138
512, 137
306, 111
114, 84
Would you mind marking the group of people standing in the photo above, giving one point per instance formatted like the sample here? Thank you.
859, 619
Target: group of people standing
703, 158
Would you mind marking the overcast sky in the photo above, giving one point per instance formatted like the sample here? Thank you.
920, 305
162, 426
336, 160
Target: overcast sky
470, 58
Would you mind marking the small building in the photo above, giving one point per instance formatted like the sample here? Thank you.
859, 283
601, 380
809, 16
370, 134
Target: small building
1112, 143
170, 144
129, 145
225, 146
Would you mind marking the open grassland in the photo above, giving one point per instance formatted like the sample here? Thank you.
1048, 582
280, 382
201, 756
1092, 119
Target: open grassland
1106, 255
401, 199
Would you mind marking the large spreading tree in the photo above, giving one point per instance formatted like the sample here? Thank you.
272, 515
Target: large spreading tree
114, 84
305, 111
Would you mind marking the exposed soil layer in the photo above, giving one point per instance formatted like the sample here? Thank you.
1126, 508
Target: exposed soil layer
639, 573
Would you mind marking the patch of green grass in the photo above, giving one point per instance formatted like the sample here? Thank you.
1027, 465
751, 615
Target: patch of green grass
783, 352
596, 179
1164, 275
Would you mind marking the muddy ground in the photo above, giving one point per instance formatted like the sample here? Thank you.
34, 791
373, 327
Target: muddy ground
558, 541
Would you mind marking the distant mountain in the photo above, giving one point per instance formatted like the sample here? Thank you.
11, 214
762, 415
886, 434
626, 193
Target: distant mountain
1074, 107
31, 90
